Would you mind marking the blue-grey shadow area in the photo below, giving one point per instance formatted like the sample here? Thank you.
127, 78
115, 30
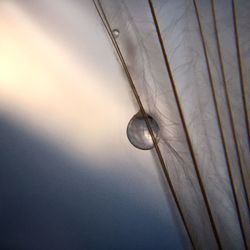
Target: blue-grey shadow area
49, 201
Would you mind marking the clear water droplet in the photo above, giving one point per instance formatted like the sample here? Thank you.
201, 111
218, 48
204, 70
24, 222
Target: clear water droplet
116, 33
138, 133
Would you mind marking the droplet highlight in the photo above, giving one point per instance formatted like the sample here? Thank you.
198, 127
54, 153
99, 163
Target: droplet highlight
138, 134
116, 33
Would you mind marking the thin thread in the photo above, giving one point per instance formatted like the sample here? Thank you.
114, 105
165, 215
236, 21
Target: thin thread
242, 82
229, 167
239, 158
145, 116
203, 191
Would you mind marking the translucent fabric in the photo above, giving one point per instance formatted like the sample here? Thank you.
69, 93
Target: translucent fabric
200, 103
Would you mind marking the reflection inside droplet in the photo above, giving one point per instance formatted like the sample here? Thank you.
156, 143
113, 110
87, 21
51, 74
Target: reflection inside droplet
138, 133
116, 33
